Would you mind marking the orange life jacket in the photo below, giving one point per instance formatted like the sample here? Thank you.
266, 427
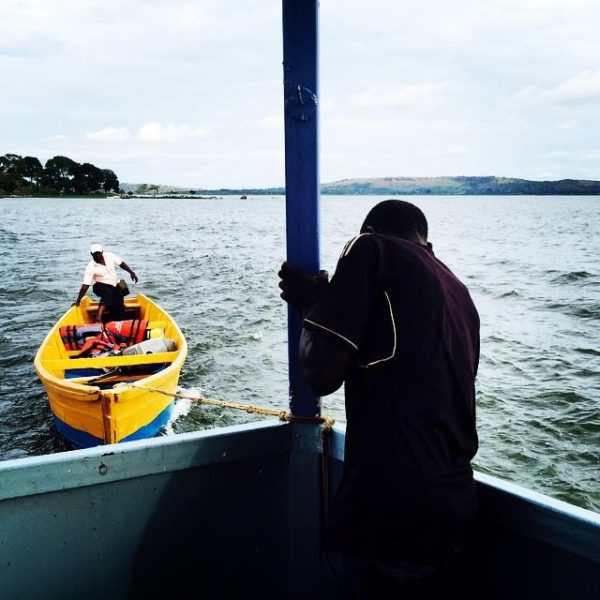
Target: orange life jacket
103, 342
128, 332
75, 336
94, 339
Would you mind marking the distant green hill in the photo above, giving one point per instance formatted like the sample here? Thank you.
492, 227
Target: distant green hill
478, 186
392, 186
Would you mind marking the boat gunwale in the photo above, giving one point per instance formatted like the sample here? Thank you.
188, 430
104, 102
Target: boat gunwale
115, 462
504, 504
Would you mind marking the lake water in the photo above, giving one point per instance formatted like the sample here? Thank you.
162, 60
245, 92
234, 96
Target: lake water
531, 263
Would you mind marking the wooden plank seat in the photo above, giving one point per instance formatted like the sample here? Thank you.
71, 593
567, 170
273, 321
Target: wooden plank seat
94, 307
111, 361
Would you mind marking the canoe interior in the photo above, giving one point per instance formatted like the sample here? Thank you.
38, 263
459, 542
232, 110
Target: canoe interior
94, 400
55, 358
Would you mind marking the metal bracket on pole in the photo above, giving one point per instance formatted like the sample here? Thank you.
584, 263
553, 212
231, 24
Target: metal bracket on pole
301, 104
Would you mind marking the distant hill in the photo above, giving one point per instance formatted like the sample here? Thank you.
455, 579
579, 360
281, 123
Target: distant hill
478, 186
405, 186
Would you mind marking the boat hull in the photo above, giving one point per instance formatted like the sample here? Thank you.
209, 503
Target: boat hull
89, 413
82, 439
170, 515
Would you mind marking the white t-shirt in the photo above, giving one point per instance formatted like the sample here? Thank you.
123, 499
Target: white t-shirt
95, 272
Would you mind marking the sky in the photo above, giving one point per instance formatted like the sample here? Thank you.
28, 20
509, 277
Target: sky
189, 92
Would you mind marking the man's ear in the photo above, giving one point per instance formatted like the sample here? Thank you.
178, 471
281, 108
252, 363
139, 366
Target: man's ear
369, 229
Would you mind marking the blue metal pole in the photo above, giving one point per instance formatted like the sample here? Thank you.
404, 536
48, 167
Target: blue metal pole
300, 77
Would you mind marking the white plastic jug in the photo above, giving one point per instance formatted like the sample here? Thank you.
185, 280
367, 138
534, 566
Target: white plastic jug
152, 346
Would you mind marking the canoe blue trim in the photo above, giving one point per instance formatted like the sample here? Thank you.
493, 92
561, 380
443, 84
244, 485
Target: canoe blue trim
82, 439
153, 427
73, 373
79, 439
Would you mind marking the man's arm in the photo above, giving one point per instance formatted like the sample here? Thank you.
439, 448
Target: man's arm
325, 363
82, 291
335, 313
300, 289
126, 267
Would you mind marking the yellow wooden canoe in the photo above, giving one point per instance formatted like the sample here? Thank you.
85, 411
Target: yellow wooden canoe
93, 407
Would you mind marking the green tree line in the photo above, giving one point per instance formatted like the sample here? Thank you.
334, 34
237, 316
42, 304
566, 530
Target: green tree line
25, 175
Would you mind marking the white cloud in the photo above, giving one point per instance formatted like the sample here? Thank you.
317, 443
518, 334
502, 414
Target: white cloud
150, 132
406, 97
593, 154
34, 47
456, 150
584, 87
109, 134
569, 124
526, 93
556, 154
272, 122
157, 132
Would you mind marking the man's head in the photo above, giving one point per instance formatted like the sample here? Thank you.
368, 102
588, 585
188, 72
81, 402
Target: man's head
399, 218
96, 251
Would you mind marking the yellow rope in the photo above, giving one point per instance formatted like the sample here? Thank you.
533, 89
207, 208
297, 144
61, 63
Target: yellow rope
327, 422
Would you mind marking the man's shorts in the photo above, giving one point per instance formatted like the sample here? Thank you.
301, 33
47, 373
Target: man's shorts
112, 299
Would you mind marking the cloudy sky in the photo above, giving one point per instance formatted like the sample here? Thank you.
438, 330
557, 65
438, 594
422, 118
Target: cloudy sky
189, 92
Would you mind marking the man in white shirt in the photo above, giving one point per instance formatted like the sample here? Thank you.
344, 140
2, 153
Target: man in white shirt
101, 273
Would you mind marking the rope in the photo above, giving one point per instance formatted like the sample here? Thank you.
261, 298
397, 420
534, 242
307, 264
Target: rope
325, 479
327, 422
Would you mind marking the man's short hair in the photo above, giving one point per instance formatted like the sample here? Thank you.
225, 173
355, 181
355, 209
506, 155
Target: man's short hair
397, 217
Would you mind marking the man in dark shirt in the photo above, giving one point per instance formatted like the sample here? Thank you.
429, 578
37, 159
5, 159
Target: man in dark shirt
398, 327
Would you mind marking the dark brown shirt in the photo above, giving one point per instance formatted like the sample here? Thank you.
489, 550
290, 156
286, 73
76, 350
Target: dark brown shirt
407, 488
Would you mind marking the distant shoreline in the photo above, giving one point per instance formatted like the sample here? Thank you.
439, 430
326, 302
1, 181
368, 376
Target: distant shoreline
413, 186
245, 196
383, 186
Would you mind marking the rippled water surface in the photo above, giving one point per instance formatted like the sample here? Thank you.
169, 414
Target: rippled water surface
531, 263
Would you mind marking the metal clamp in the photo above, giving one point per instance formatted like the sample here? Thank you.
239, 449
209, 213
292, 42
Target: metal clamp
301, 104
